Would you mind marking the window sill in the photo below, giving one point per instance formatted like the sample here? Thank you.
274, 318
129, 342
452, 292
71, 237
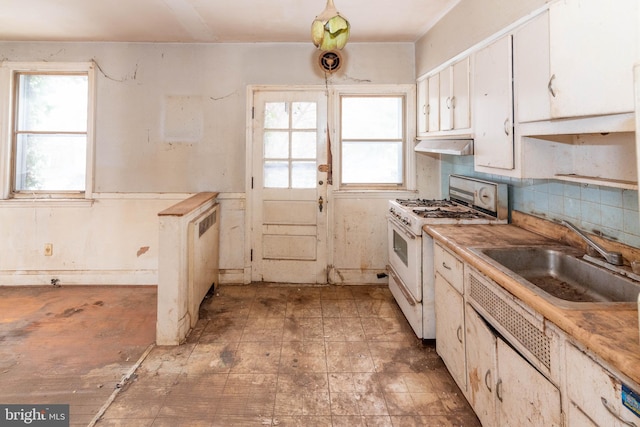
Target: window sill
373, 194
46, 203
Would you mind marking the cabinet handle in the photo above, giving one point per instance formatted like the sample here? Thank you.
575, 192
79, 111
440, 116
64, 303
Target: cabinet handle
448, 102
613, 412
487, 377
550, 85
424, 109
453, 102
506, 126
499, 390
459, 334
445, 265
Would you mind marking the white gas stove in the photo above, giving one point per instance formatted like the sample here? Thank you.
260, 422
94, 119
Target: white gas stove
411, 275
471, 201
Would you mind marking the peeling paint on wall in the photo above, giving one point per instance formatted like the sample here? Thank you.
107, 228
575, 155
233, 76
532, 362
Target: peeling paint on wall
143, 250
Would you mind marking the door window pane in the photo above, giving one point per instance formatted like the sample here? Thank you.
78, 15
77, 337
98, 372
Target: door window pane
276, 145
304, 115
303, 174
276, 115
276, 174
303, 145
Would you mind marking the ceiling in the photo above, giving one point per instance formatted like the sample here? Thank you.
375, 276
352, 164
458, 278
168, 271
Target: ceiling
212, 21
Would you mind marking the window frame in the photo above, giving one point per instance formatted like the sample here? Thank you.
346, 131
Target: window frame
9, 72
408, 94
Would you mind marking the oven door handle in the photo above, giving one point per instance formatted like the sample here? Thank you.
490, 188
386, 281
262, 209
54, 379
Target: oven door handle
403, 288
400, 227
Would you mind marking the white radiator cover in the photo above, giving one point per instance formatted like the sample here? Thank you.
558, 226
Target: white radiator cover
187, 264
203, 255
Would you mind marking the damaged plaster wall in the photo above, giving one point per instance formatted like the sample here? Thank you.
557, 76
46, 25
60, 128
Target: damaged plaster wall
170, 121
468, 23
139, 83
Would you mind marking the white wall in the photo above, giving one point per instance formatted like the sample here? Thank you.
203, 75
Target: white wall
468, 23
146, 145
113, 240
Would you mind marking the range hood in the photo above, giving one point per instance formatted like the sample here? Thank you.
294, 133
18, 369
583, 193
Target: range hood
456, 147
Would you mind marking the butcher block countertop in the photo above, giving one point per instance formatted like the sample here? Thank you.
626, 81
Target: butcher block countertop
611, 333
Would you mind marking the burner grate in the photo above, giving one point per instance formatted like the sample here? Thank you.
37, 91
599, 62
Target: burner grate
425, 203
443, 213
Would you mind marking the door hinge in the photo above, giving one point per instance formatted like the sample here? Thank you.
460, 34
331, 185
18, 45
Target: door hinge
252, 183
253, 113
251, 255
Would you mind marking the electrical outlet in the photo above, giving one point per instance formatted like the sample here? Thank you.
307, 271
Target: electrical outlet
48, 249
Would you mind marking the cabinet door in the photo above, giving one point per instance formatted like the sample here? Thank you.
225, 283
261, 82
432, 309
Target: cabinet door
450, 267
526, 397
593, 50
531, 70
433, 107
481, 367
492, 110
460, 99
446, 101
450, 329
421, 106
577, 418
595, 391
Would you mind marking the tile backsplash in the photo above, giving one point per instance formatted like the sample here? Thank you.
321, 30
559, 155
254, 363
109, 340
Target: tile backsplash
610, 212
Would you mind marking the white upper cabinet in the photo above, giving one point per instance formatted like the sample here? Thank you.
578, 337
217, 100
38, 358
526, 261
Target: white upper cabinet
493, 106
460, 100
433, 106
422, 117
446, 100
531, 70
577, 60
443, 101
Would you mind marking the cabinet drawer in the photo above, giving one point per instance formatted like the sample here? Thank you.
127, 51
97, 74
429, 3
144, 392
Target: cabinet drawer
596, 392
449, 267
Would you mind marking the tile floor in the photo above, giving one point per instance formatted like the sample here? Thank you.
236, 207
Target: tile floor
267, 355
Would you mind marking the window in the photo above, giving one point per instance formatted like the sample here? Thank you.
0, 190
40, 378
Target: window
373, 135
290, 145
51, 138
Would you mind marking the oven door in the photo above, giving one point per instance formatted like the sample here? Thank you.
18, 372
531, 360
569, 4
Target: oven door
405, 257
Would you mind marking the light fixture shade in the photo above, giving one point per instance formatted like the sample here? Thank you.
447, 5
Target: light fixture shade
330, 30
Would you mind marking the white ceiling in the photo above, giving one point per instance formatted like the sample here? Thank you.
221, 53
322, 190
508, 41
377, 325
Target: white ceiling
188, 21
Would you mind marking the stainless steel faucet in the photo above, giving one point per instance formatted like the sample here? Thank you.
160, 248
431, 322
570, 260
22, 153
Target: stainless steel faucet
614, 258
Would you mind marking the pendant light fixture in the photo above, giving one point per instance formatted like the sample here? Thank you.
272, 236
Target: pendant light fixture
330, 30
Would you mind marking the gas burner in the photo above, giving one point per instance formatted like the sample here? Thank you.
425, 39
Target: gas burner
443, 213
419, 203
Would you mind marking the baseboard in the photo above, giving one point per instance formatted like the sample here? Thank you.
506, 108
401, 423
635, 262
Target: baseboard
69, 277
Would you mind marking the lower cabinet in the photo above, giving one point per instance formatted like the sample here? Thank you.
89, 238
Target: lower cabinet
511, 363
482, 368
596, 394
450, 339
503, 388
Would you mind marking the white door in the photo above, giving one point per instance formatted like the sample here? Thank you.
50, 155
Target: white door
289, 197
